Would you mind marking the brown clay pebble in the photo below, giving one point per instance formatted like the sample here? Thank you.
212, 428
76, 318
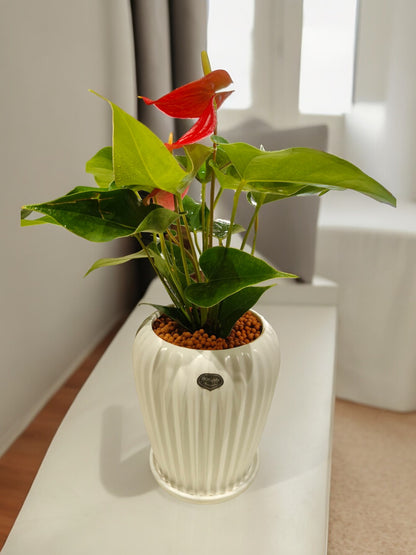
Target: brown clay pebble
246, 329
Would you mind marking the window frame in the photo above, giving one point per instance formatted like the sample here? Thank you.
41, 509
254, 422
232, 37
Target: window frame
277, 42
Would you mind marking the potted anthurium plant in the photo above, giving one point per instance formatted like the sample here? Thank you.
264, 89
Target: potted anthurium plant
205, 365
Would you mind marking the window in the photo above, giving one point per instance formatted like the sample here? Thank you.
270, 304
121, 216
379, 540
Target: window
292, 61
327, 57
230, 29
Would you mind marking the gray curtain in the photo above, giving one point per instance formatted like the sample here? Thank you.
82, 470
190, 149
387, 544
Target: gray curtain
169, 36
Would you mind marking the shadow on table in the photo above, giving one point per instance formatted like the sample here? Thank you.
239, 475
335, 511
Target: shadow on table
123, 477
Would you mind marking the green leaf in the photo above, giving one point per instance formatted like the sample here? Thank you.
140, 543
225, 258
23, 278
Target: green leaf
193, 215
225, 179
228, 271
221, 228
236, 305
204, 173
159, 261
264, 198
193, 211
177, 255
218, 139
43, 220
101, 167
197, 154
164, 268
140, 158
294, 171
158, 220
116, 261
96, 214
173, 313
184, 162
240, 155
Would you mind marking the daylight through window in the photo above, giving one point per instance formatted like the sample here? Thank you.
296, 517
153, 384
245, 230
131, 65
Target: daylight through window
327, 60
233, 53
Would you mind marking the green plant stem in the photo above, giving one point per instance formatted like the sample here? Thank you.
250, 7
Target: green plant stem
250, 225
233, 214
207, 240
198, 313
181, 244
171, 243
171, 285
193, 256
170, 260
198, 248
212, 197
175, 299
172, 238
203, 204
256, 227
211, 212
217, 198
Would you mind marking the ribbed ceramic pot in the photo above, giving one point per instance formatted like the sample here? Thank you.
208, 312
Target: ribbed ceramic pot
205, 411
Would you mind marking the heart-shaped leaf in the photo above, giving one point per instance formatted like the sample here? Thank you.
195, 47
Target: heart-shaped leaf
288, 172
96, 214
140, 158
101, 167
228, 271
157, 220
236, 305
197, 155
204, 174
194, 213
240, 154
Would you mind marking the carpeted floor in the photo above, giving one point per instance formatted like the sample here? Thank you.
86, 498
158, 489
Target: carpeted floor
373, 486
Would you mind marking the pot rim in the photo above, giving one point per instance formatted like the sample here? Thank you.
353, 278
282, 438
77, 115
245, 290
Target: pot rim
152, 317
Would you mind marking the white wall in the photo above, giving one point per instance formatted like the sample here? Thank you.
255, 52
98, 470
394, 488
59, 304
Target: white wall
51, 52
380, 133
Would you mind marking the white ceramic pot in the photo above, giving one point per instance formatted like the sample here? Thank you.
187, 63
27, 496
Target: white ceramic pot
205, 411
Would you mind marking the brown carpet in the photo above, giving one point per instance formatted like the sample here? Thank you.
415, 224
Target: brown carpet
373, 486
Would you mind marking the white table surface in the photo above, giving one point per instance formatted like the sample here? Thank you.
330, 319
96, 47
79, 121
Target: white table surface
94, 493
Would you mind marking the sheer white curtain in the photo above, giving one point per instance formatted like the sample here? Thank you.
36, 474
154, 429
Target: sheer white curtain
380, 132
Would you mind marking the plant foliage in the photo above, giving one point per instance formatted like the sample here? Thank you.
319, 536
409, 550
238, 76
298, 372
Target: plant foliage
141, 191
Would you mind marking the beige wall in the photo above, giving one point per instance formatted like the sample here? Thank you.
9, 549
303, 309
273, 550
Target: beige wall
51, 52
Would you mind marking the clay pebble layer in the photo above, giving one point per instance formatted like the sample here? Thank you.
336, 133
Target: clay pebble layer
247, 328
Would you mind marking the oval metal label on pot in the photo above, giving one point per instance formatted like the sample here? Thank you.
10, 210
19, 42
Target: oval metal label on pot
210, 381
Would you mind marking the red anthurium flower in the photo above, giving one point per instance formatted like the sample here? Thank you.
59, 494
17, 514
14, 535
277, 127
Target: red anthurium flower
190, 100
163, 198
221, 96
204, 126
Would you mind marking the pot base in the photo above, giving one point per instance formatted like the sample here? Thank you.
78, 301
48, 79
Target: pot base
201, 498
